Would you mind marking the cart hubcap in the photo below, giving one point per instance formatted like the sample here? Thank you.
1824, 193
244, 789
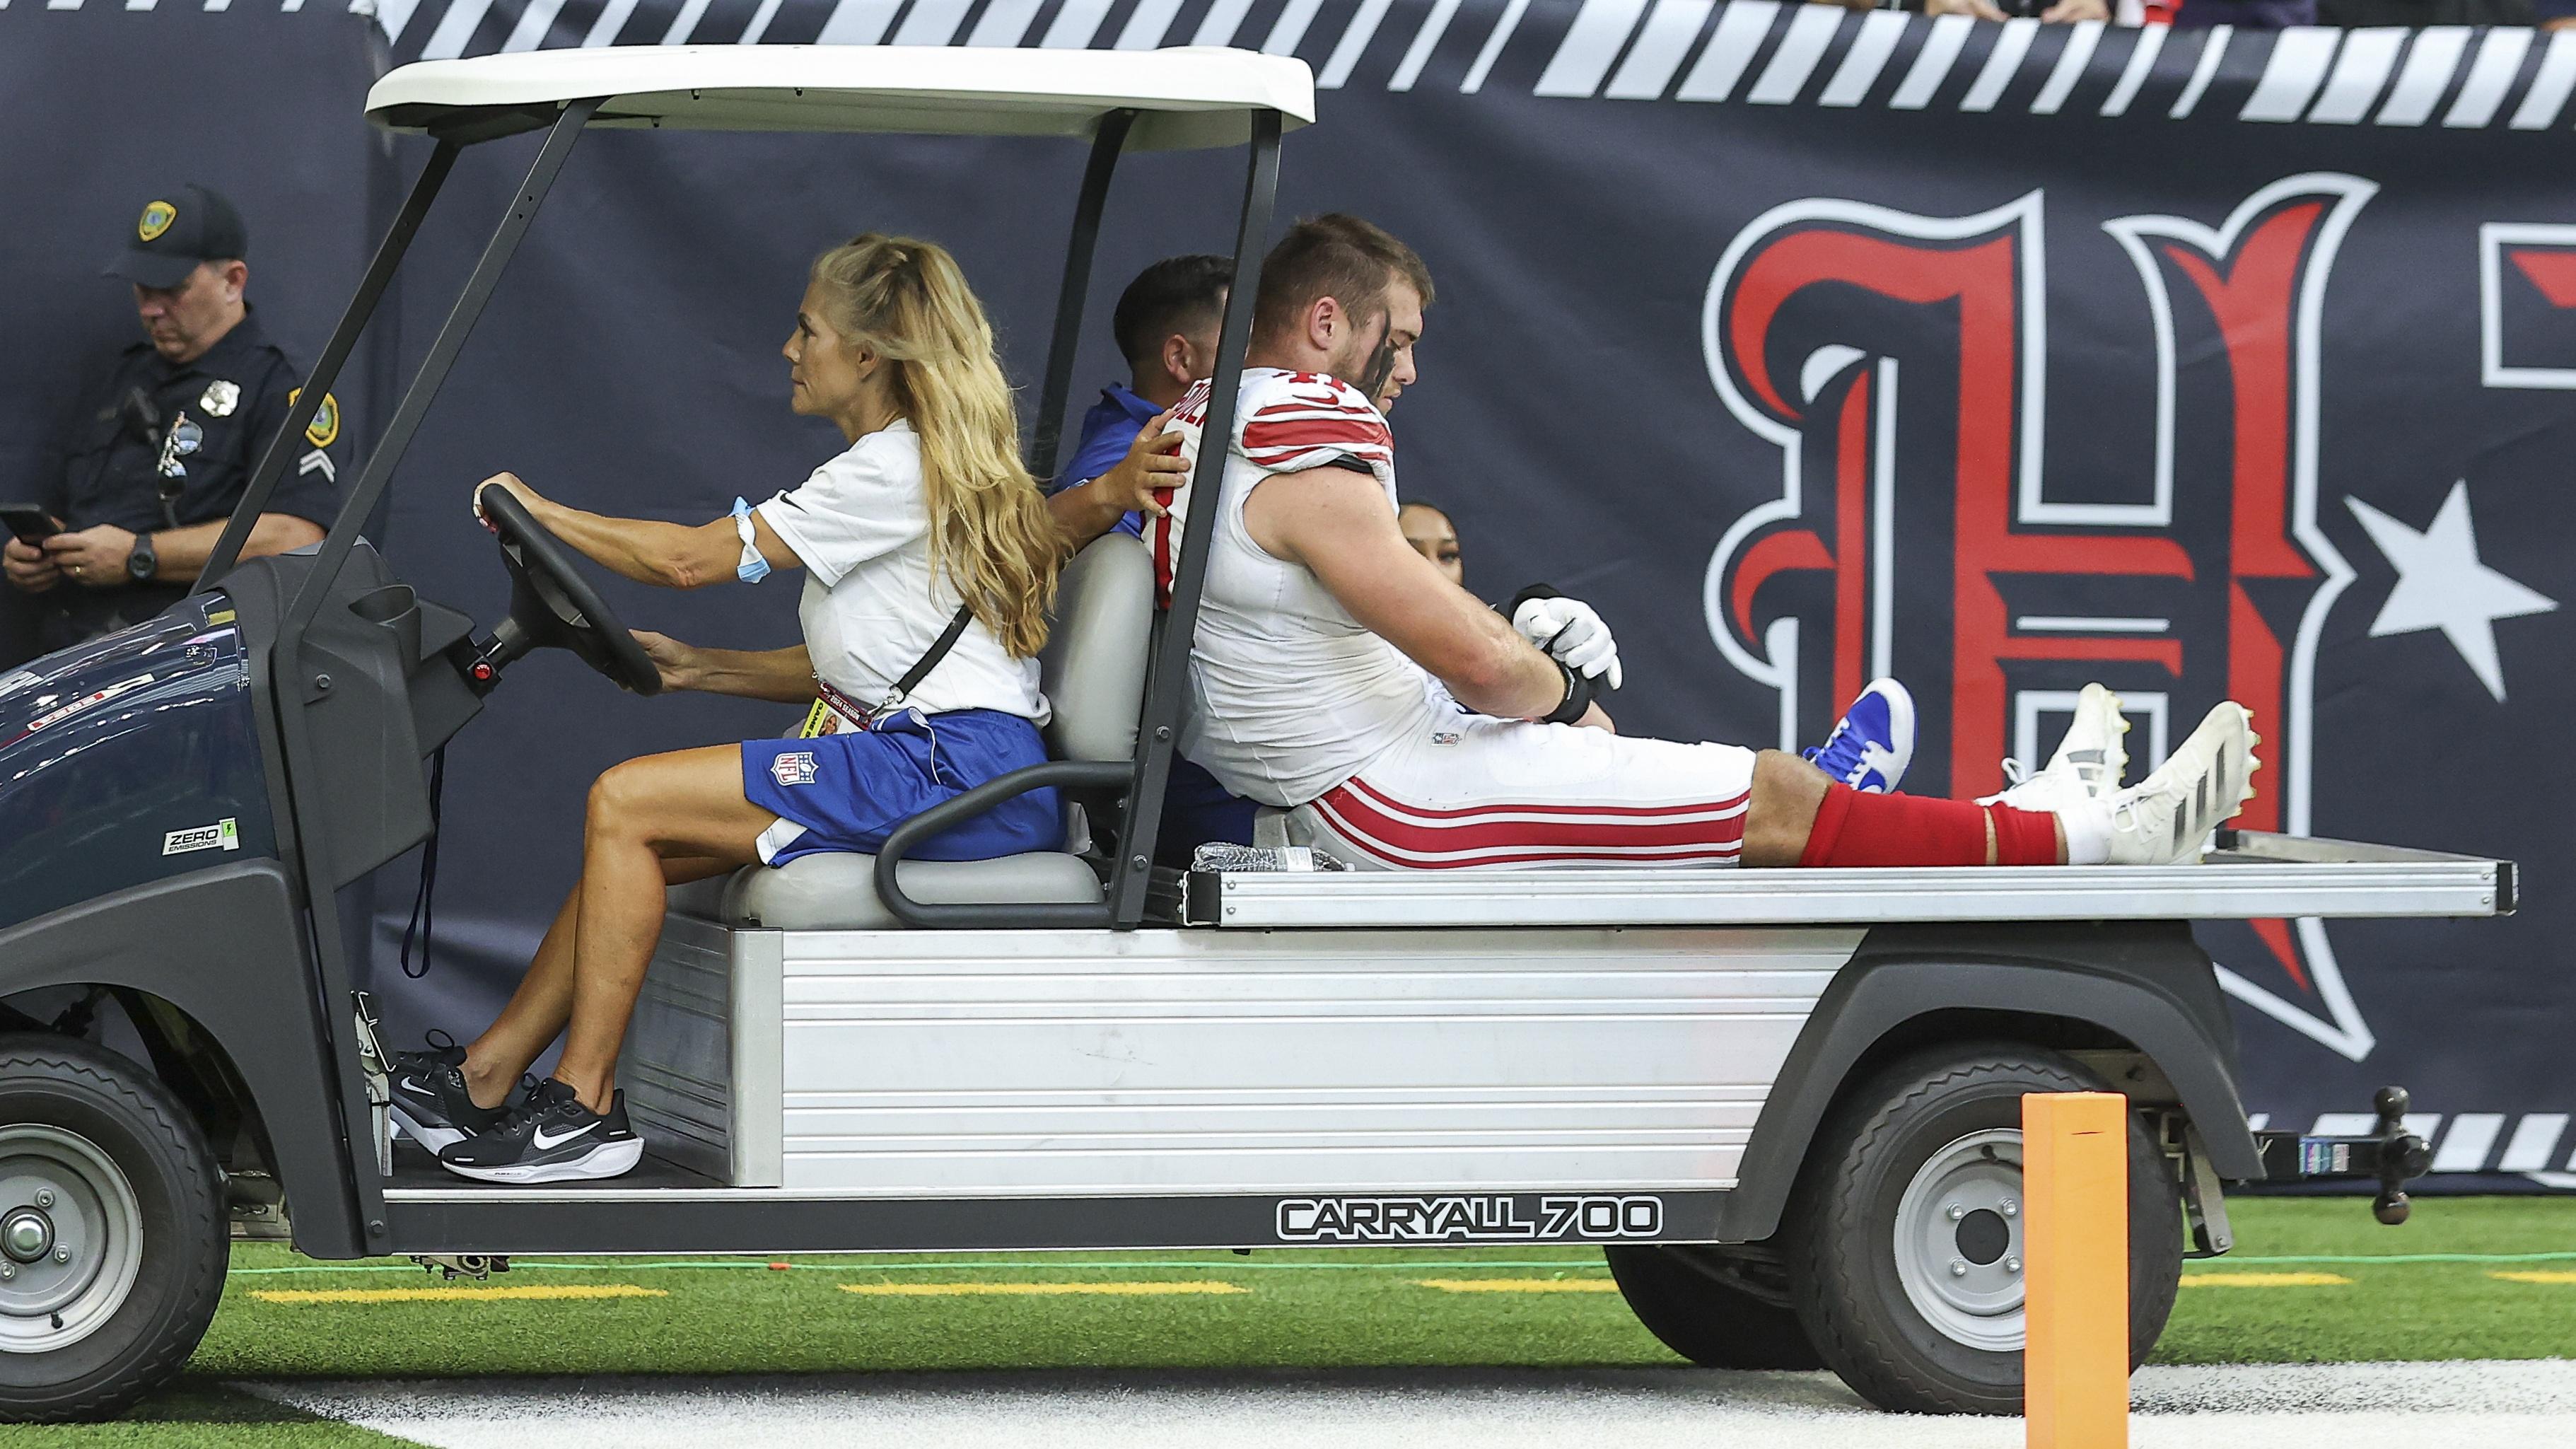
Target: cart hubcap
1959, 1241
71, 1238
26, 1235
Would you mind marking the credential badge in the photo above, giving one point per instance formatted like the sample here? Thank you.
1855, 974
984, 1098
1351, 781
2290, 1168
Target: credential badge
220, 398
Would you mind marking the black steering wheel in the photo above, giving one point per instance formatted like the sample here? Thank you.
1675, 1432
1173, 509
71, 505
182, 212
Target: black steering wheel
552, 605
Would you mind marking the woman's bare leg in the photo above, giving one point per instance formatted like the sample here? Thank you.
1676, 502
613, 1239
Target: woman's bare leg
687, 805
542, 1004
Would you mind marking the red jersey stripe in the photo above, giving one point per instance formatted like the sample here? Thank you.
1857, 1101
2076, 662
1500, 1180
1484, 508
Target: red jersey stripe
1731, 803
1726, 832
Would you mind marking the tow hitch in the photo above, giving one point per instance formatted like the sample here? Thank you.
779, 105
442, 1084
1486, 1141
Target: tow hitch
2392, 1154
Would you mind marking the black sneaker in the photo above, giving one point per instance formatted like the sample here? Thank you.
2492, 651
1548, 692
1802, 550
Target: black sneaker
430, 1103
551, 1137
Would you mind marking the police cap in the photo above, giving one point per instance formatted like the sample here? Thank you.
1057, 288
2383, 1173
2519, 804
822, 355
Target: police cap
174, 230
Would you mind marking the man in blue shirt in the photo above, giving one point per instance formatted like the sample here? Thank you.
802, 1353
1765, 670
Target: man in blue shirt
1166, 324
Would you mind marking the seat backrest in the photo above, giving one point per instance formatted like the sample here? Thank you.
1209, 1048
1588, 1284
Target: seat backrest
1094, 661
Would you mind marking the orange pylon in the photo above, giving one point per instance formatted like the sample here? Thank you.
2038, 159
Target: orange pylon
2075, 1251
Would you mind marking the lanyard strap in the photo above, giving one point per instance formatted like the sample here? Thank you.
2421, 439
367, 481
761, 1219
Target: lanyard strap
929, 659
829, 702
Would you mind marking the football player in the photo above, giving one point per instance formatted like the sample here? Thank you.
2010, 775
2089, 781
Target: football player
1318, 623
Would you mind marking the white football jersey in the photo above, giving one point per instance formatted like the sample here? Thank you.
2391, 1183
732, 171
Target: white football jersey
1290, 695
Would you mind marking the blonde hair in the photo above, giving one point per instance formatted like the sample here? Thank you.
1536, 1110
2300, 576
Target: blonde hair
990, 533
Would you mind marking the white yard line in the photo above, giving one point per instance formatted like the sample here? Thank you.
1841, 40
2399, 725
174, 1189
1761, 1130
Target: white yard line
2341, 1406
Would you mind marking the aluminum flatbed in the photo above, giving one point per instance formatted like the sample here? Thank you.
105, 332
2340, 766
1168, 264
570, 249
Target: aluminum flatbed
2251, 876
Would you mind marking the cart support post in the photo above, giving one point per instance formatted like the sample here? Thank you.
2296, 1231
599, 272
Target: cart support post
434, 367
292, 692
2075, 1246
1047, 437
1167, 685
326, 369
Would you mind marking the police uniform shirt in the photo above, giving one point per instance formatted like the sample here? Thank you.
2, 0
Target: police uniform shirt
236, 395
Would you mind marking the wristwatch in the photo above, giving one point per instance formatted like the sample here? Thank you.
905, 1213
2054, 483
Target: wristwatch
142, 563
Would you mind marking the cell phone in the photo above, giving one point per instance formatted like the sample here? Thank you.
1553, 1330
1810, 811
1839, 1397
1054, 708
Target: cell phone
28, 523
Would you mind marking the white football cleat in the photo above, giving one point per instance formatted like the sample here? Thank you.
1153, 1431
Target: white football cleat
2165, 818
2087, 766
2092, 747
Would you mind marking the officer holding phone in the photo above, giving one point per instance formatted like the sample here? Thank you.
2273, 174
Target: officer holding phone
161, 450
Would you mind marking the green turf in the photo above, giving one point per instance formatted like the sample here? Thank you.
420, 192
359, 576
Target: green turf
2391, 1310
1303, 1309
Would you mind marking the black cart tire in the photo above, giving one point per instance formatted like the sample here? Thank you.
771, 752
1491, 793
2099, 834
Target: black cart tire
1904, 1235
1690, 1297
112, 1233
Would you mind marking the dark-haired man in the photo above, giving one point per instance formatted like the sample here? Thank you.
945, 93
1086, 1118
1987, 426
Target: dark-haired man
1166, 323
1319, 622
164, 444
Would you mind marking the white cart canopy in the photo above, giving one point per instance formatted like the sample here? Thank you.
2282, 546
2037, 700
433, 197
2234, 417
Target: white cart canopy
1191, 97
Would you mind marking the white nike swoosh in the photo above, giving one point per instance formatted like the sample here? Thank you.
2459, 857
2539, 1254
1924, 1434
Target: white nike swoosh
548, 1144
415, 1084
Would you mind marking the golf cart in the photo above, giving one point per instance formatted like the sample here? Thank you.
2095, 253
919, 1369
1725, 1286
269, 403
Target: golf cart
1785, 1102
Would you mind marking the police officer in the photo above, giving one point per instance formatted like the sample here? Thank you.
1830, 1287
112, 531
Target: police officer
162, 449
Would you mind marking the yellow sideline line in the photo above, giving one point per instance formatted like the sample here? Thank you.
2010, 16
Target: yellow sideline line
962, 1290
447, 1295
2535, 1277
2265, 1280
1519, 1285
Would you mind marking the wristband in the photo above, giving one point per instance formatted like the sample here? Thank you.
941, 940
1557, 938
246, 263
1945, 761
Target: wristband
1534, 591
1578, 697
753, 567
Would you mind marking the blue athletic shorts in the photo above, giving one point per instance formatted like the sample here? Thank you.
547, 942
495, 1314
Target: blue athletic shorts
850, 790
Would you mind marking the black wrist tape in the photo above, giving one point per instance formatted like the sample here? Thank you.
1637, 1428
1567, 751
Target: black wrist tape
1578, 697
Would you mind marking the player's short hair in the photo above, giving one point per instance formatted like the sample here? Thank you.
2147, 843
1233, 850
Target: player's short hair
1338, 256
1173, 295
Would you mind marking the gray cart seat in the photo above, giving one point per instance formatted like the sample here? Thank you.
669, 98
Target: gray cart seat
1094, 672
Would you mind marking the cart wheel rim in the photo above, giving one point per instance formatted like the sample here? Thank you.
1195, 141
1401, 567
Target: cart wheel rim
1959, 1241
71, 1238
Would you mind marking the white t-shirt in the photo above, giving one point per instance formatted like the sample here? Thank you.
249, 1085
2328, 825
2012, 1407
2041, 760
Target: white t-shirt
872, 604
1290, 695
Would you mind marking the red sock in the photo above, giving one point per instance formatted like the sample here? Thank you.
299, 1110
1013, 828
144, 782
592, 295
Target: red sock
2024, 837
1854, 829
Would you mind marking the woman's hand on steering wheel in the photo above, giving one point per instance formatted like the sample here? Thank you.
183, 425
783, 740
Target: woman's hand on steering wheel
678, 662
512, 483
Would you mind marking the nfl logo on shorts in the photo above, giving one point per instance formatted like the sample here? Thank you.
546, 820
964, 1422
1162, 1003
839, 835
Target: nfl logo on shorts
795, 768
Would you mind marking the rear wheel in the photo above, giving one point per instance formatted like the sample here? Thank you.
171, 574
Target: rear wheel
1905, 1234
112, 1242
1716, 1307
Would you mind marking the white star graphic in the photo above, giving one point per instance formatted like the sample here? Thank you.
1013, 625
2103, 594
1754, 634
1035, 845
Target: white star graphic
2441, 585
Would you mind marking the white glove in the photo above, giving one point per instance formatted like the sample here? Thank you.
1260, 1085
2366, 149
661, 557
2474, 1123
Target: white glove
1572, 634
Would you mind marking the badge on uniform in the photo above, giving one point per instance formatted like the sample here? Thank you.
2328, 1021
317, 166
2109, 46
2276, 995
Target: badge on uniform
156, 219
792, 768
324, 430
220, 398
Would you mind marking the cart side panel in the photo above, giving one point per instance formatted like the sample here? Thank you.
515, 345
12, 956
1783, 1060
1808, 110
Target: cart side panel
1006, 1063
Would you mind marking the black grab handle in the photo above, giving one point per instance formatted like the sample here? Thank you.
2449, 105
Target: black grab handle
947, 813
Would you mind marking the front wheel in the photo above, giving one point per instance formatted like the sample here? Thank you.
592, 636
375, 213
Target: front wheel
112, 1239
1905, 1235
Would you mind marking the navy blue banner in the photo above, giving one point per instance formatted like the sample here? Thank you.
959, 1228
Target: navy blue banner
1808, 345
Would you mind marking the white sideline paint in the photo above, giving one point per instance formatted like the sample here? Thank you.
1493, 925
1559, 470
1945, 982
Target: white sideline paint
2339, 1406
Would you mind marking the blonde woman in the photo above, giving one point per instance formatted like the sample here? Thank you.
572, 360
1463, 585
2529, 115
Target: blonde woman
928, 519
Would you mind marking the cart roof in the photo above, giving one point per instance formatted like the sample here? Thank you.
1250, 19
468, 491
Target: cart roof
1195, 96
